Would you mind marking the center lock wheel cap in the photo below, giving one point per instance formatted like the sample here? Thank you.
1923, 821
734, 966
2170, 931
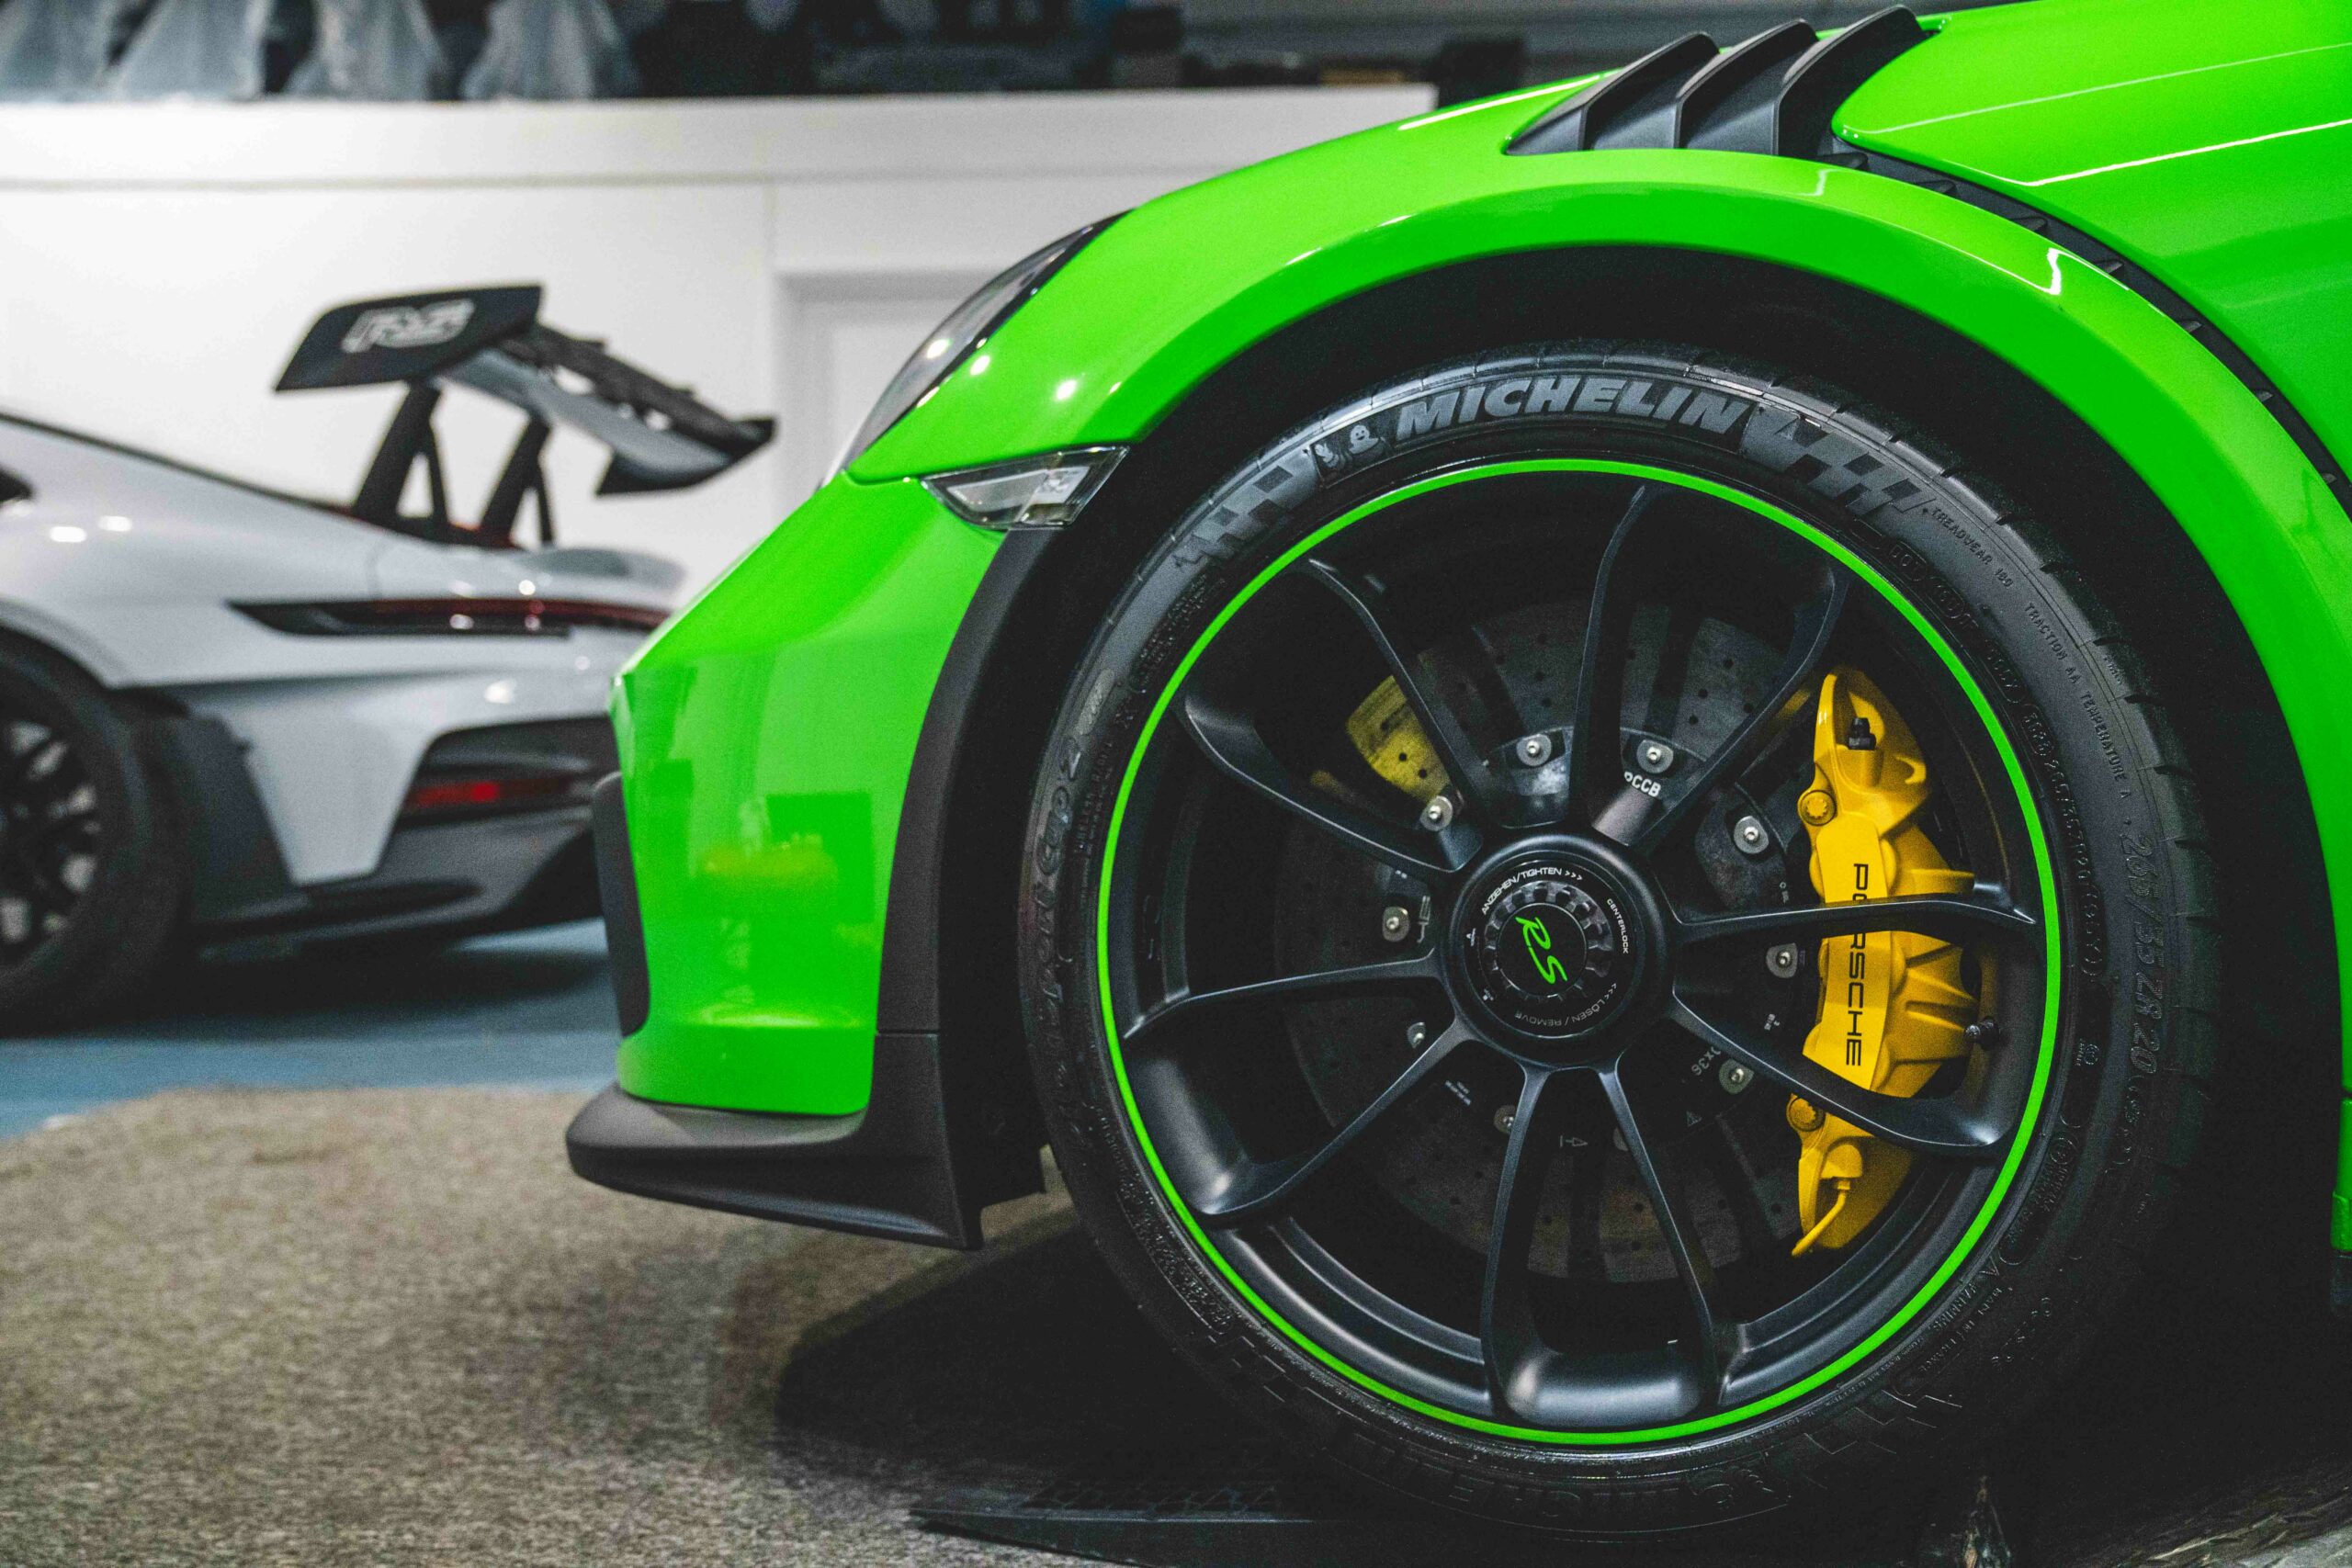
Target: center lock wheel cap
1550, 948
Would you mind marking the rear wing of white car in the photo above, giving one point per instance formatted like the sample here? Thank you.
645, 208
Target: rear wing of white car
491, 340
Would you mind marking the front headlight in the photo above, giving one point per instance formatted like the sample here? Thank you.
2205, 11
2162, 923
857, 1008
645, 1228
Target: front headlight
966, 327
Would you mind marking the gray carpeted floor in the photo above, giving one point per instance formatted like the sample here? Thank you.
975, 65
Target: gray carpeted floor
388, 1326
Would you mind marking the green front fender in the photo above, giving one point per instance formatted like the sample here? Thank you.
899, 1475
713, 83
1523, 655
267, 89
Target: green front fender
766, 738
1180, 286
768, 734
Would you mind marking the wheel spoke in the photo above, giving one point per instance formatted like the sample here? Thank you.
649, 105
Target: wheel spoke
1595, 771
48, 748
1469, 772
71, 829
1193, 1005
36, 883
1254, 1191
1926, 1126
1680, 1230
1748, 1214
1817, 624
1518, 1362
1233, 744
1985, 913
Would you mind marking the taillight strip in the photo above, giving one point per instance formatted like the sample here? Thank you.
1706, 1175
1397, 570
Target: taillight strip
451, 617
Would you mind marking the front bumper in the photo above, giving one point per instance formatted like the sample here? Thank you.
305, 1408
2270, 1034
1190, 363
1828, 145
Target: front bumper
768, 737
887, 1170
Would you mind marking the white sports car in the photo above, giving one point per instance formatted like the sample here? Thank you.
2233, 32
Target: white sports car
230, 717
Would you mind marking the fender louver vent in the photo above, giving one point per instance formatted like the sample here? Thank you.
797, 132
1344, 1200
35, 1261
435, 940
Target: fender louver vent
1773, 94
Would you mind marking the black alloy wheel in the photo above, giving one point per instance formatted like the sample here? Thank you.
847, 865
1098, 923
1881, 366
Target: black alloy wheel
93, 849
51, 832
1548, 930
1584, 958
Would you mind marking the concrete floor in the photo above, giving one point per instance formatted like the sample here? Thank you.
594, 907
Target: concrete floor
386, 1325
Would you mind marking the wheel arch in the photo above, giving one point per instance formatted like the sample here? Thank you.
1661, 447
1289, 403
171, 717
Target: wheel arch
63, 639
2140, 556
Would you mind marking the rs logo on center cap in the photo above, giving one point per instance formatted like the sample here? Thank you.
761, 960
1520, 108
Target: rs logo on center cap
1548, 966
1547, 949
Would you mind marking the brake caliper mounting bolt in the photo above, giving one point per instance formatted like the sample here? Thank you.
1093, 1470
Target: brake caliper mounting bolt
1783, 960
1734, 1077
1750, 834
1438, 815
1535, 749
1817, 807
1655, 756
1395, 922
1804, 1115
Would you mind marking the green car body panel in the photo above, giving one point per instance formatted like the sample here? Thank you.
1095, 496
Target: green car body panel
766, 739
768, 734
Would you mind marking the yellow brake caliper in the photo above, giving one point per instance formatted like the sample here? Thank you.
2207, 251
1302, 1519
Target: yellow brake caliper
1389, 737
1895, 1006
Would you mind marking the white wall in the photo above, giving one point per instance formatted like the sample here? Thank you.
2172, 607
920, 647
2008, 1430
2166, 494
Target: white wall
158, 262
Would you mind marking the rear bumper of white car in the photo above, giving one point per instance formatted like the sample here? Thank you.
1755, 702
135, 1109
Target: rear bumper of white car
465, 854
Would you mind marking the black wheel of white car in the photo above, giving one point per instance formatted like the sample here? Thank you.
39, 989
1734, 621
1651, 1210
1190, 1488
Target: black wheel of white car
93, 868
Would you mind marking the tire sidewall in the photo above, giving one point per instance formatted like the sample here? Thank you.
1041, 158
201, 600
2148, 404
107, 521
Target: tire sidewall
2085, 1191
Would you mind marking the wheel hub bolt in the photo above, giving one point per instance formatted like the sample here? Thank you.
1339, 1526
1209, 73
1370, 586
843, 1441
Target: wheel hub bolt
1734, 1077
1535, 749
1395, 922
1438, 815
1750, 834
1783, 960
1655, 756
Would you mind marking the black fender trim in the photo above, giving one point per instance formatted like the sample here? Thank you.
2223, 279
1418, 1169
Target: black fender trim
986, 1141
884, 1171
910, 996
237, 873
617, 892
2129, 274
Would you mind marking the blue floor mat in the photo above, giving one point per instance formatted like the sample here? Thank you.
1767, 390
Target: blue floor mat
531, 1009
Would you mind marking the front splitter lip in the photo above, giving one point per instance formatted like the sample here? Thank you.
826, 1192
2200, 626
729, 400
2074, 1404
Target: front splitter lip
887, 1170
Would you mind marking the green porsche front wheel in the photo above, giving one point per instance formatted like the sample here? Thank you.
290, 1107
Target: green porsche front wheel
1612, 943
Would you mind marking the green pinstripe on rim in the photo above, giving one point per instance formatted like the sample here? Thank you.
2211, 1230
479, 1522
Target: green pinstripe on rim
2003, 1179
